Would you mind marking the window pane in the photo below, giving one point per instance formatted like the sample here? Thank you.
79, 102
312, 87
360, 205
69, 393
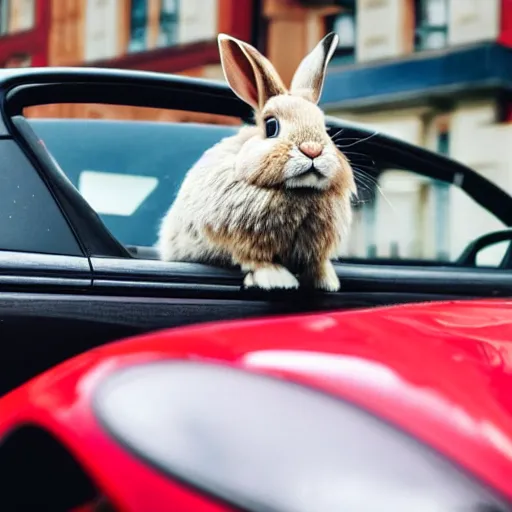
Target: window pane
436, 13
344, 26
431, 24
168, 33
127, 162
434, 40
30, 220
19, 60
138, 25
404, 216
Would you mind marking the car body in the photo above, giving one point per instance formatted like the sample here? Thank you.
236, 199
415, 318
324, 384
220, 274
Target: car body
83, 279
393, 408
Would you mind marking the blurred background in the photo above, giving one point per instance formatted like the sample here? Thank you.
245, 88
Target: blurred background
436, 73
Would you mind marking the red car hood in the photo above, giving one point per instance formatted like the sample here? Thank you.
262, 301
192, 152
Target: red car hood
441, 371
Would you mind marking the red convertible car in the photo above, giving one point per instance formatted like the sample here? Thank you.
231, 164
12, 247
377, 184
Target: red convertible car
403, 408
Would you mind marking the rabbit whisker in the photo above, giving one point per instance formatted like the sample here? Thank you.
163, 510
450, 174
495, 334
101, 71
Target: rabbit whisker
357, 141
341, 130
366, 181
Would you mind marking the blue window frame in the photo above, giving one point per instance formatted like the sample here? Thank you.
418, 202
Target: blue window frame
168, 30
138, 26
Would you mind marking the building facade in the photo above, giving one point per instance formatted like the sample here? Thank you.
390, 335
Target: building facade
24, 27
170, 36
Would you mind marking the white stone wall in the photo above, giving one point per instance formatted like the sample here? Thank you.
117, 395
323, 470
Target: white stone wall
197, 20
472, 21
101, 30
380, 33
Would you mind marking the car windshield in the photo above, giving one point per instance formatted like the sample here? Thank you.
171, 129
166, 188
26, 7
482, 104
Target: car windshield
130, 171
326, 459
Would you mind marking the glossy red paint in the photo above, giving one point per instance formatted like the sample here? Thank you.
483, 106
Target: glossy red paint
440, 371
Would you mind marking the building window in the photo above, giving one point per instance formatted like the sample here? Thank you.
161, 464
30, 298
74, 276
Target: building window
138, 26
443, 143
431, 24
4, 17
18, 60
344, 25
168, 26
21, 15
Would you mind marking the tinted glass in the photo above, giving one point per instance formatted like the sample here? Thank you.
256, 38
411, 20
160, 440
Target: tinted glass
128, 171
265, 444
30, 220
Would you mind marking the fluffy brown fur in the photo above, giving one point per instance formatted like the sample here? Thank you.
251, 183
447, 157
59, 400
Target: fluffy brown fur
270, 204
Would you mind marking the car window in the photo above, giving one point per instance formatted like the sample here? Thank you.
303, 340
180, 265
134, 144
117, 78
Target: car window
401, 215
31, 221
128, 171
130, 167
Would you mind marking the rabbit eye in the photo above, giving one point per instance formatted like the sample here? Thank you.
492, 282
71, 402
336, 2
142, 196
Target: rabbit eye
271, 127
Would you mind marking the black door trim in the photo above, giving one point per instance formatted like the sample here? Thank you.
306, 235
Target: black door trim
143, 277
41, 271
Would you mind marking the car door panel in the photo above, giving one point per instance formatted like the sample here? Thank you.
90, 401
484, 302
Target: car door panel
39, 330
44, 270
146, 277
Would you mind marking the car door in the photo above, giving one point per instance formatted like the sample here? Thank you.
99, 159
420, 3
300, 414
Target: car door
128, 291
113, 260
41, 262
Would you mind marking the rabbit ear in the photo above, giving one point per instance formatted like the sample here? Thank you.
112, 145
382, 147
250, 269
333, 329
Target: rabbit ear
308, 80
251, 75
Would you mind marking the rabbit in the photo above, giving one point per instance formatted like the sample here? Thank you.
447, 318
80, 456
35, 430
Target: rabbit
275, 198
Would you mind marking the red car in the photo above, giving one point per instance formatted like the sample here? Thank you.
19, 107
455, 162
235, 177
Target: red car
404, 408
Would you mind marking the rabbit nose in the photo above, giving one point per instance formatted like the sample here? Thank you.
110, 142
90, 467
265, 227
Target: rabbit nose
311, 149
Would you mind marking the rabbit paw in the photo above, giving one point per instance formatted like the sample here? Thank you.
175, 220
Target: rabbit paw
270, 277
327, 279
